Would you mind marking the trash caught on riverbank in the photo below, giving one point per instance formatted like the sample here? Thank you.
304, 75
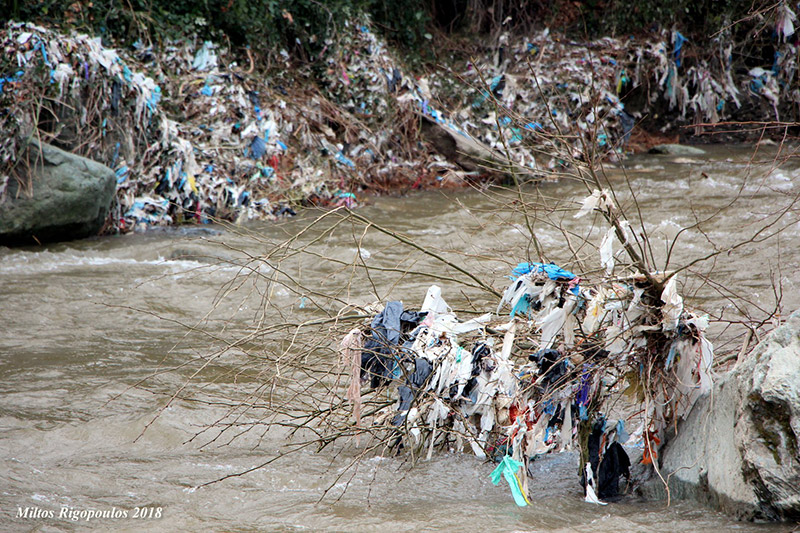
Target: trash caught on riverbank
194, 136
194, 133
226, 157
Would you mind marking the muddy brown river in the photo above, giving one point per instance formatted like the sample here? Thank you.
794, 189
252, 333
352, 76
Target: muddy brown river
97, 335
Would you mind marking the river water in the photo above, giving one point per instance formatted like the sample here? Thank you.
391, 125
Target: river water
99, 334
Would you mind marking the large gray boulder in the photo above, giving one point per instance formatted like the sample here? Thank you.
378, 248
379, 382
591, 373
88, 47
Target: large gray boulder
738, 449
70, 198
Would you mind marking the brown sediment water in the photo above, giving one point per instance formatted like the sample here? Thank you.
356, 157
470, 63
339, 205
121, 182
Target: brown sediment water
84, 322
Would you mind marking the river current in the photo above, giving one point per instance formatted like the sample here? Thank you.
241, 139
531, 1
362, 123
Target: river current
97, 335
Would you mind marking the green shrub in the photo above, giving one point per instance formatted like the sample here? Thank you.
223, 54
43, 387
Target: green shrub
265, 25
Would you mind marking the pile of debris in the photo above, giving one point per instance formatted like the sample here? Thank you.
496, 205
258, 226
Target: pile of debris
548, 94
543, 379
533, 385
223, 158
193, 135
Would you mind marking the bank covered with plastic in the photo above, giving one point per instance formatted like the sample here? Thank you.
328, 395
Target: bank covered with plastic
196, 133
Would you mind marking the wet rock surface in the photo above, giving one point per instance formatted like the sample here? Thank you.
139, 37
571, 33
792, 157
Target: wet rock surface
676, 149
70, 198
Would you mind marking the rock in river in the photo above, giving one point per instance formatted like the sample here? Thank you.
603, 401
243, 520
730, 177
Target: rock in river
738, 449
70, 198
676, 149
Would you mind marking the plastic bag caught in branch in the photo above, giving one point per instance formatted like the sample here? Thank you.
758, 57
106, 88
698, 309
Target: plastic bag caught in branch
673, 306
508, 468
784, 25
591, 495
434, 303
597, 200
705, 363
350, 355
205, 59
552, 325
607, 251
